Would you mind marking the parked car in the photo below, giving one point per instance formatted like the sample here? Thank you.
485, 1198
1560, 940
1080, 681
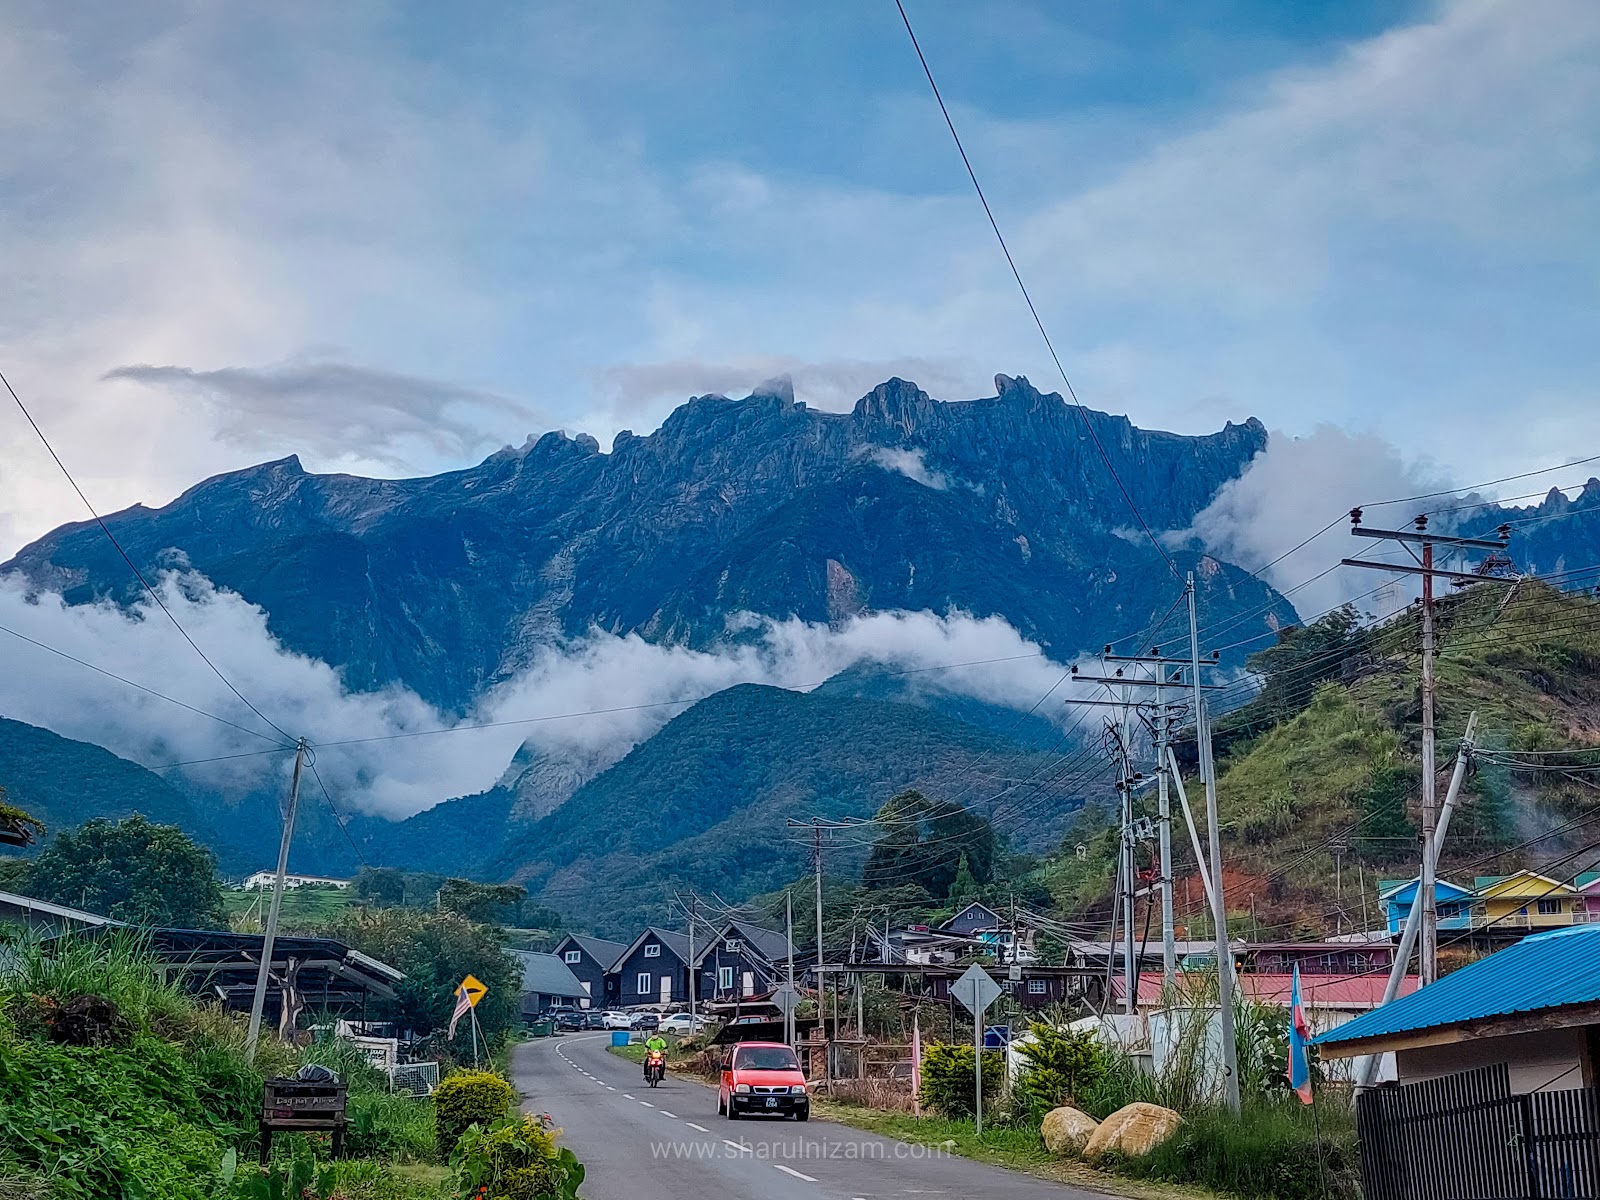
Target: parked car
763, 1077
683, 1024
611, 1019
646, 1020
594, 1019
570, 1021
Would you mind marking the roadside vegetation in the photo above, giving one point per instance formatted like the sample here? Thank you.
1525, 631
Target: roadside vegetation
1276, 1148
114, 1084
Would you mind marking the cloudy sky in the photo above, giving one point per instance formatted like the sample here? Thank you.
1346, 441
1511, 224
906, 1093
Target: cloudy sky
391, 237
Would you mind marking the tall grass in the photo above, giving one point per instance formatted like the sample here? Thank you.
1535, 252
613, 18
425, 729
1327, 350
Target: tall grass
1279, 1151
117, 966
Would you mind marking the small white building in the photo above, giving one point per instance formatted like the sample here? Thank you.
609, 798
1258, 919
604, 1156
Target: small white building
262, 880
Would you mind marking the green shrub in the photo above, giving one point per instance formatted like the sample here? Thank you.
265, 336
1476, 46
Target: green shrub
1270, 1151
515, 1159
947, 1078
468, 1098
1062, 1067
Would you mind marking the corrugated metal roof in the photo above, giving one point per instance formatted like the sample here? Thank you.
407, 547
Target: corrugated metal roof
1546, 970
602, 950
546, 974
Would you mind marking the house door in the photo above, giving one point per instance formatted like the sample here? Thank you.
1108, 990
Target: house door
666, 989
749, 983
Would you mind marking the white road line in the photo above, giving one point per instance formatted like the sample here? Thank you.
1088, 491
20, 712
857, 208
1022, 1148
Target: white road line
701, 1128
629, 1095
735, 1146
609, 1088
647, 1103
796, 1174
674, 1116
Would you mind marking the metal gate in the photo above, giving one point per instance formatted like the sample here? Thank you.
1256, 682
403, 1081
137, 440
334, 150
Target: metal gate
1466, 1137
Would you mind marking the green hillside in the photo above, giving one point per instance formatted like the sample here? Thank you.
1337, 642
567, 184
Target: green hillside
1319, 778
64, 783
704, 802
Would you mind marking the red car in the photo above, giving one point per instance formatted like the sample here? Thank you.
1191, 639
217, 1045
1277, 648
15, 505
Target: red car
763, 1077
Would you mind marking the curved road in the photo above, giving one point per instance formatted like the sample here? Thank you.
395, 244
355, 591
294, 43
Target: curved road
668, 1143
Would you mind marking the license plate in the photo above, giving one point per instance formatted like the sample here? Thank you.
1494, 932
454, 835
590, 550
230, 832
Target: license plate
772, 1102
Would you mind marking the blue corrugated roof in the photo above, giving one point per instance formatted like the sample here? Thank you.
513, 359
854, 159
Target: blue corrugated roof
1546, 970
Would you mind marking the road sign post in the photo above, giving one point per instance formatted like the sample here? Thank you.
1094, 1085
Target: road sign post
976, 991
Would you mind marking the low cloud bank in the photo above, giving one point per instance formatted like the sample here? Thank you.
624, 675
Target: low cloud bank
624, 687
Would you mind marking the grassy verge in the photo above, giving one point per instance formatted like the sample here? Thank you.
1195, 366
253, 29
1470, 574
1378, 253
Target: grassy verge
1002, 1146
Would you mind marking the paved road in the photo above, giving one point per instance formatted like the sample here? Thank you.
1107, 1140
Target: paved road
668, 1143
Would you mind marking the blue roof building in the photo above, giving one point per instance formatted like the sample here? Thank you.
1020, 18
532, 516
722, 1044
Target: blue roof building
1453, 902
1534, 1006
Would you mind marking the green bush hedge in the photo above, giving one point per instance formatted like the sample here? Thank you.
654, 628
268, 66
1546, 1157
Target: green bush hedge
468, 1098
947, 1078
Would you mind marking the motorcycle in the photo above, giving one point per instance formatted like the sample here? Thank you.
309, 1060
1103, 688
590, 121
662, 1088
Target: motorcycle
655, 1067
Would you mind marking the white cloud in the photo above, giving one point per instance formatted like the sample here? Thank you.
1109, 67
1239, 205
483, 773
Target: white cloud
628, 687
911, 464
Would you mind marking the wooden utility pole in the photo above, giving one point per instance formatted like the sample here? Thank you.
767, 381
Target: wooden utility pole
264, 967
1428, 964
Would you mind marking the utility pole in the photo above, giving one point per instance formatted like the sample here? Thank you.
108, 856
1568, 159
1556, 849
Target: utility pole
1219, 904
1166, 778
694, 910
817, 825
264, 967
1367, 1066
1169, 943
788, 927
1428, 966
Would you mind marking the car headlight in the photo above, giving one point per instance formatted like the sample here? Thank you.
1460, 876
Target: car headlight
798, 1089
741, 1087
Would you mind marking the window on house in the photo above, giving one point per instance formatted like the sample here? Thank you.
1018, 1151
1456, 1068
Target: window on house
1328, 963
1447, 911
734, 945
653, 950
1360, 963
1549, 908
576, 956
725, 980
643, 983
1038, 987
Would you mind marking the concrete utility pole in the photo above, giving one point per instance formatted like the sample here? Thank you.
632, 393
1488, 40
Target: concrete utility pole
1367, 1065
264, 967
1219, 904
694, 911
1429, 966
1166, 777
788, 928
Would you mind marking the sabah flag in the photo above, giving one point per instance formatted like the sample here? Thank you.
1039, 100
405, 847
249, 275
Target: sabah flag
1299, 1043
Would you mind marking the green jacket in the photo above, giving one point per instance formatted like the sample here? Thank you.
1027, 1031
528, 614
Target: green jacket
656, 1042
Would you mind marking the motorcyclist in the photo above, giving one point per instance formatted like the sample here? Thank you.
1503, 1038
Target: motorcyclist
656, 1045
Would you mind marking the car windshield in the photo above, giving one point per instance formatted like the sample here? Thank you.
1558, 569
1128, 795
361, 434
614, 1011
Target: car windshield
767, 1058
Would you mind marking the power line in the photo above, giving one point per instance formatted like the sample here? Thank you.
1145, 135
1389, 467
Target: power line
138, 686
337, 816
1083, 415
138, 574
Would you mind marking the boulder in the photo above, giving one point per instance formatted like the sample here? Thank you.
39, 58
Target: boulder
1133, 1130
1067, 1131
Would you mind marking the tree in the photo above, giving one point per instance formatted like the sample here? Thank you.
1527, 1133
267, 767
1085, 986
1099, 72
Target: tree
963, 886
134, 871
1303, 657
926, 843
490, 903
436, 950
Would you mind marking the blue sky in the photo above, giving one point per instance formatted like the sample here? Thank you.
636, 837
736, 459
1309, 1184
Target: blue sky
392, 237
